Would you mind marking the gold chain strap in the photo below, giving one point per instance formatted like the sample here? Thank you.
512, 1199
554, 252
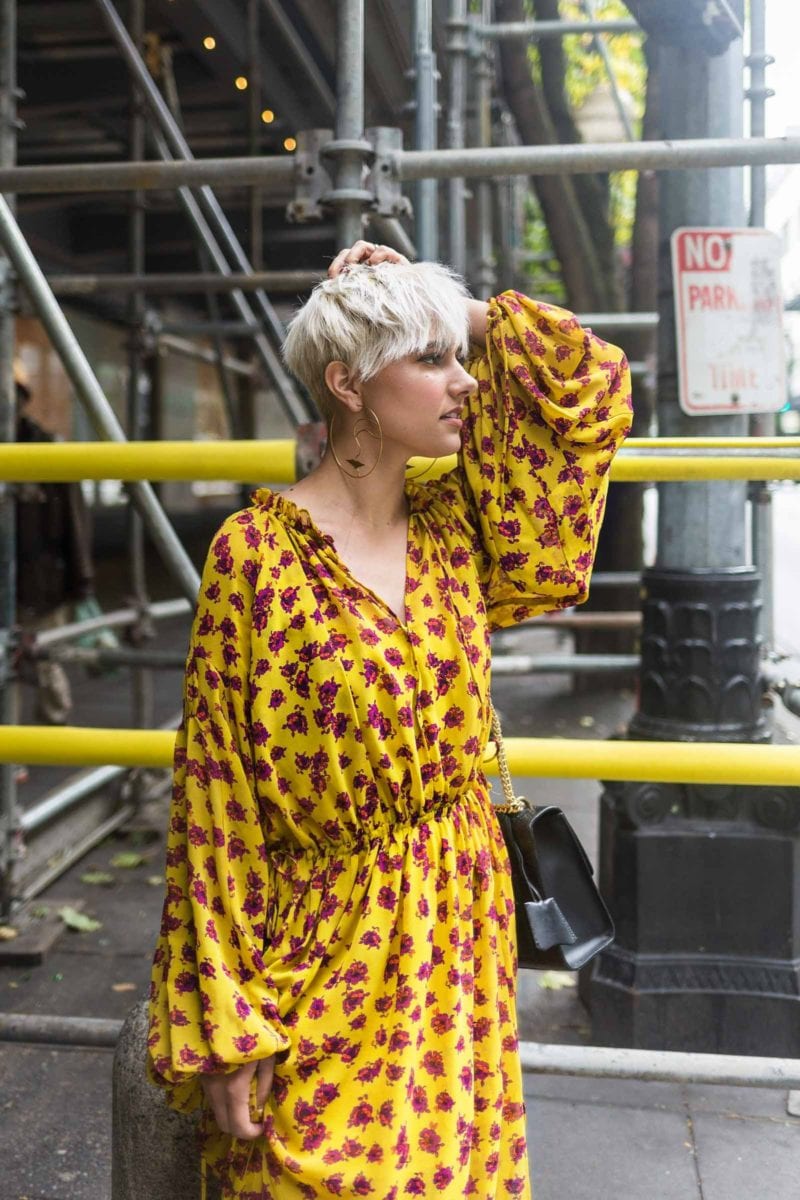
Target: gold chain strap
512, 803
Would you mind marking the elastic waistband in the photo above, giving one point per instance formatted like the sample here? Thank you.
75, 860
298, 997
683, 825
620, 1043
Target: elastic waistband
374, 837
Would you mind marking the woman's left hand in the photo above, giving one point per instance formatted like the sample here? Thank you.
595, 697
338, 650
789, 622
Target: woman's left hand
368, 253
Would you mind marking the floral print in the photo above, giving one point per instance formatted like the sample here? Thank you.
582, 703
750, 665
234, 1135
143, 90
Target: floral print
338, 890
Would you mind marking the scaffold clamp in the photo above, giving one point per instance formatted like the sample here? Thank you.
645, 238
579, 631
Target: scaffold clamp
311, 178
383, 179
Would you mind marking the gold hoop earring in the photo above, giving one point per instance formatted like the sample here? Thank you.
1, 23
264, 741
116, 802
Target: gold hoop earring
424, 471
362, 425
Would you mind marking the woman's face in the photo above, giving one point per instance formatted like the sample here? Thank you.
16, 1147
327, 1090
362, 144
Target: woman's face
419, 402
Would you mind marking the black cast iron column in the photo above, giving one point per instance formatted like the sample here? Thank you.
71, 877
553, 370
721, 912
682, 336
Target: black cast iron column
703, 882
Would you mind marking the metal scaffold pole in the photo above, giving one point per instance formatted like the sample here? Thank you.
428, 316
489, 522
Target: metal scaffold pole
534, 30
175, 283
91, 395
761, 424
273, 175
482, 261
457, 50
426, 214
581, 159
509, 212
758, 93
254, 125
276, 175
8, 144
172, 144
139, 382
349, 150
484, 272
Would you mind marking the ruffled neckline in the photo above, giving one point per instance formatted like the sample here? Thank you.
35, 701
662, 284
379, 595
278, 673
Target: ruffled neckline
291, 514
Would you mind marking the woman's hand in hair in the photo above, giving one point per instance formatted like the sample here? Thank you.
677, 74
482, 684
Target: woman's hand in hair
366, 253
229, 1097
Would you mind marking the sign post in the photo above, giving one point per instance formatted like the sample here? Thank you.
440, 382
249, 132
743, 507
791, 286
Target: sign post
729, 321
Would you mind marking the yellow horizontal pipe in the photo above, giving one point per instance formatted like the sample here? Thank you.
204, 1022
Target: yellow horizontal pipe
56, 462
73, 746
570, 758
658, 762
713, 443
662, 468
273, 461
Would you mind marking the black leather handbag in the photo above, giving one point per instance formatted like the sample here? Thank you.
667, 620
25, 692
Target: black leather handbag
562, 921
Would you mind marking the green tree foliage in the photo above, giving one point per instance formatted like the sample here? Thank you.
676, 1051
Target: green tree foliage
586, 72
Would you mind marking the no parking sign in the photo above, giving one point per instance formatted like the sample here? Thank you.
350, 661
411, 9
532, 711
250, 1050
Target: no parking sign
729, 321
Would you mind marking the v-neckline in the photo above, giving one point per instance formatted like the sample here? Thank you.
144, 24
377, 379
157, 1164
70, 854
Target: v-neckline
302, 518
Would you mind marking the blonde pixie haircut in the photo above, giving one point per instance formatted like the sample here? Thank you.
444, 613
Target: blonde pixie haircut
369, 317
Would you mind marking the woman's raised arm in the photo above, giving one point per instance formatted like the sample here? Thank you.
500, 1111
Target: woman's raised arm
552, 407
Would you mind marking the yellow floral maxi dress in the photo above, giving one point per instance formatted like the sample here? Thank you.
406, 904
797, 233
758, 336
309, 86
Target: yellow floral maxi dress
338, 890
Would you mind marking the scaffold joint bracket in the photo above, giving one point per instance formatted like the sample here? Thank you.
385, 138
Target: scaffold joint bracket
383, 179
311, 178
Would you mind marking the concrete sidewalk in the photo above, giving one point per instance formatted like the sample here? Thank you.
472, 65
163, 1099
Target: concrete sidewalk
589, 1140
598, 1140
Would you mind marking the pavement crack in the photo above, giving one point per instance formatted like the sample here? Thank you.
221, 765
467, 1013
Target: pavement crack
692, 1146
759, 1119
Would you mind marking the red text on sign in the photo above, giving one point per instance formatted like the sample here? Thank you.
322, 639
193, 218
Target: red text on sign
730, 378
704, 251
714, 298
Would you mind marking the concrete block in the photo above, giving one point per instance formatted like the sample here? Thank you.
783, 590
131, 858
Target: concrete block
154, 1150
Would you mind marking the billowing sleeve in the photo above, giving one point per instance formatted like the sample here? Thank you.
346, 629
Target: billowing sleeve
211, 1006
552, 406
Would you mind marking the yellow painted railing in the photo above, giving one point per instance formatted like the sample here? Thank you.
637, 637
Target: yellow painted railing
659, 468
657, 762
274, 461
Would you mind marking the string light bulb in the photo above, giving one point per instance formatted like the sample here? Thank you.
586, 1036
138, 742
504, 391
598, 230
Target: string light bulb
241, 82
289, 143
267, 116
210, 42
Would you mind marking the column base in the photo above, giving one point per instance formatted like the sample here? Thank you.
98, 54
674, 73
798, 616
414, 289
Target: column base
695, 1003
704, 888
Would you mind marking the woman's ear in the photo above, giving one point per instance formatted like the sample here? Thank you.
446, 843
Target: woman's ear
341, 384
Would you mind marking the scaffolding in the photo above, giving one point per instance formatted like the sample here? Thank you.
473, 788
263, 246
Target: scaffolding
358, 175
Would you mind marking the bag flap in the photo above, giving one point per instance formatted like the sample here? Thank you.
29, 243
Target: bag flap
549, 925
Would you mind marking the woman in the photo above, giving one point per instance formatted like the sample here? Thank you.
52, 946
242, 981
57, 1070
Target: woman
336, 971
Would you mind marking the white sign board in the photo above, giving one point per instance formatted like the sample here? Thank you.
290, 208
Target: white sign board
729, 321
